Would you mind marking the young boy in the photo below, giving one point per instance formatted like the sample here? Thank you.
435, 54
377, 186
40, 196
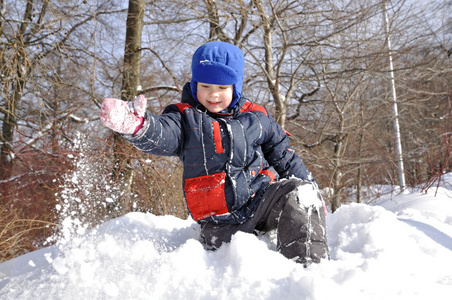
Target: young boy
240, 173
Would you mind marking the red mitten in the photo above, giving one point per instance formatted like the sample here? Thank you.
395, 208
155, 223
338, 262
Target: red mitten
124, 117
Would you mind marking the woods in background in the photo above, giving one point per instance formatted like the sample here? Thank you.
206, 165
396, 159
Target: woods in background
322, 67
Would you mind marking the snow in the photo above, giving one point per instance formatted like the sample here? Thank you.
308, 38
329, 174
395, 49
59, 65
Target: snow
400, 247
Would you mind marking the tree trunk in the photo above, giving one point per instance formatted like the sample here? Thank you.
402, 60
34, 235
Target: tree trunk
132, 50
123, 171
269, 66
17, 69
336, 199
395, 113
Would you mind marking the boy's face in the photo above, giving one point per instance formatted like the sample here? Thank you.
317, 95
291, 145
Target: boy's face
215, 98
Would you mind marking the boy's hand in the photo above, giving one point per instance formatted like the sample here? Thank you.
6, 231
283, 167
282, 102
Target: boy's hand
124, 117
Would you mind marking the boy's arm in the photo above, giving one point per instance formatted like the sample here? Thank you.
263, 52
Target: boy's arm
159, 135
281, 156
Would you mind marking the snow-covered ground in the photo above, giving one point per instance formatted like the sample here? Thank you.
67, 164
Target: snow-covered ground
398, 248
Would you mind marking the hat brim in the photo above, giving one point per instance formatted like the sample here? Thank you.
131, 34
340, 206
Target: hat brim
214, 73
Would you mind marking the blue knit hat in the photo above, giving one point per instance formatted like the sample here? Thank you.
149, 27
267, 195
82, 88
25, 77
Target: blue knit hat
218, 63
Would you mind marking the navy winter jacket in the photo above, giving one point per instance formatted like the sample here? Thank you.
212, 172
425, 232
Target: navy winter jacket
229, 159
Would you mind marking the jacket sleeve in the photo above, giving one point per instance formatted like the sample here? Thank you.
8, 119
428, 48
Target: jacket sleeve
280, 155
161, 134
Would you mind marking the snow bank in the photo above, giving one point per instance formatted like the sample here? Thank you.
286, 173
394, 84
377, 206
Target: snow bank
399, 249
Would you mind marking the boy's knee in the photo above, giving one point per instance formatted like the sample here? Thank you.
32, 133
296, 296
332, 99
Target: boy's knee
302, 229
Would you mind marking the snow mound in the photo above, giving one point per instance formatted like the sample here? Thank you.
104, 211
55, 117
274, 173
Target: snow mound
400, 249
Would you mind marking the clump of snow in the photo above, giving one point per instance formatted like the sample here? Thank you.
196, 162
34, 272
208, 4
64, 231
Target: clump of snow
399, 248
308, 195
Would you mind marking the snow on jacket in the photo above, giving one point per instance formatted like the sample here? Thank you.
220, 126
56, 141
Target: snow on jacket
229, 159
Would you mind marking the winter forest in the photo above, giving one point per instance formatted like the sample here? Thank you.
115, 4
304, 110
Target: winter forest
351, 80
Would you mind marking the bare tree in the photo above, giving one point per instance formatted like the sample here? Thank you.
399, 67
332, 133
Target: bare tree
131, 74
34, 51
45, 50
309, 58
